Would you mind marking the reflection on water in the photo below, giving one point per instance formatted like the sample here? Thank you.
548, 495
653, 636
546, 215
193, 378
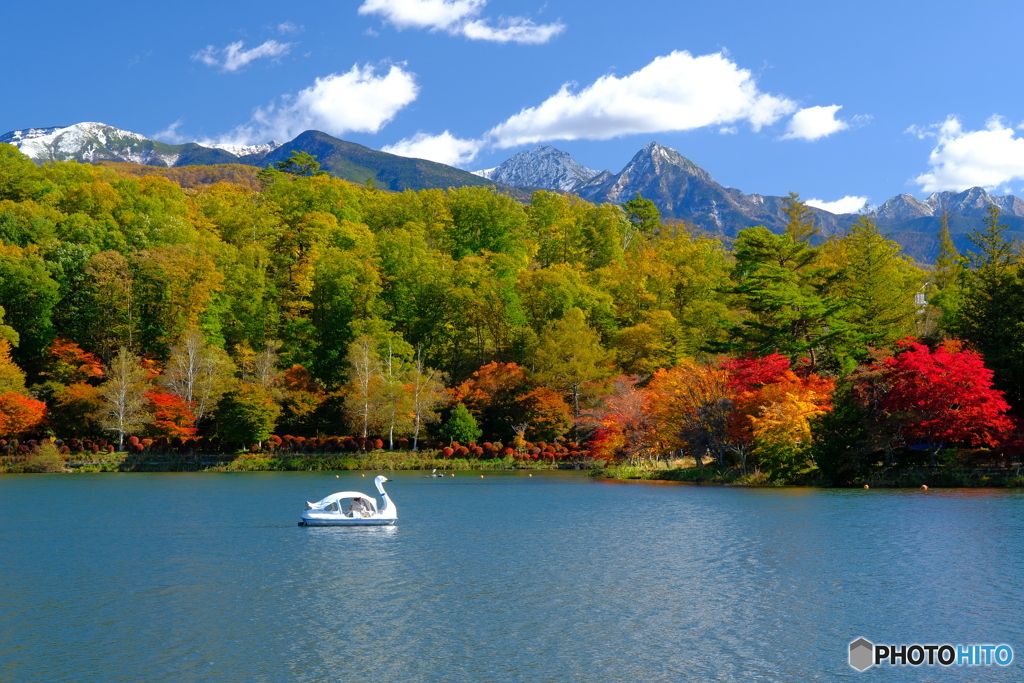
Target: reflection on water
551, 578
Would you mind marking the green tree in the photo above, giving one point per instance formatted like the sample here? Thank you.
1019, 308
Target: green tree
246, 415
28, 295
993, 297
569, 356
484, 220
945, 292
792, 307
300, 164
799, 219
461, 426
644, 219
879, 284
841, 443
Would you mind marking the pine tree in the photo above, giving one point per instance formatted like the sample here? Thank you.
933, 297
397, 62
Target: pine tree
793, 309
799, 219
993, 298
947, 264
880, 284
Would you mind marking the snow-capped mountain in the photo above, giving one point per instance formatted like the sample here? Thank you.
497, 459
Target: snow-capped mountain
544, 167
91, 142
245, 150
972, 203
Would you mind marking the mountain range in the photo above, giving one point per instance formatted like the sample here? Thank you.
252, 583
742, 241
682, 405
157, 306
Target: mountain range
97, 142
679, 187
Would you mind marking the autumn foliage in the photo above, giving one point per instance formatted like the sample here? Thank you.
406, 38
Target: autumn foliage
19, 413
171, 415
942, 396
740, 406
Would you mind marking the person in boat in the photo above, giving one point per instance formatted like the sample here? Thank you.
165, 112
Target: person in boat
357, 508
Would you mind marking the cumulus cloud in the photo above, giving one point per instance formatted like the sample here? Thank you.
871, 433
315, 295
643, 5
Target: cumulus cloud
460, 17
234, 57
288, 27
359, 100
814, 123
444, 148
848, 204
961, 159
673, 93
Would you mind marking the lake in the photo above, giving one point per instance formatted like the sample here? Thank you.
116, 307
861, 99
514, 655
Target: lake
554, 577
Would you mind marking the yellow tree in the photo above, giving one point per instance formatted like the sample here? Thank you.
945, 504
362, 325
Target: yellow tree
178, 284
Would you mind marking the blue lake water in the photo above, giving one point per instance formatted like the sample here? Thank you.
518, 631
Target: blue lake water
555, 577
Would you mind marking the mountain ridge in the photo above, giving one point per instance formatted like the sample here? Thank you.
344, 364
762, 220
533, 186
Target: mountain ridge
93, 142
679, 187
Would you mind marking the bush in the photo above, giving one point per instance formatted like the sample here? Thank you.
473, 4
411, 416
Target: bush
46, 460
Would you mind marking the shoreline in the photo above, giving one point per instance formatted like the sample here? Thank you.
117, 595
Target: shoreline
175, 462
392, 461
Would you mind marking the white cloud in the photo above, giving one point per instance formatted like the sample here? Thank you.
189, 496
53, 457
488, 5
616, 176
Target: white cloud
673, 93
460, 17
814, 123
233, 57
170, 134
359, 100
444, 148
513, 30
988, 158
430, 14
848, 204
289, 27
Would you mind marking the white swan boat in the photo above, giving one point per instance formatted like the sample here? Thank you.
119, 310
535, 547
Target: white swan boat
351, 508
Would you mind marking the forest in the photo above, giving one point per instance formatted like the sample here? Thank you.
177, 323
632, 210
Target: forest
304, 312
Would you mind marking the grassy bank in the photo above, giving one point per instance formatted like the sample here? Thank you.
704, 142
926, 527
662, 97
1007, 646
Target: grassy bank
176, 462
885, 478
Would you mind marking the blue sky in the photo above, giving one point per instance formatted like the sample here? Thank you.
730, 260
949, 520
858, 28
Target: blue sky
929, 93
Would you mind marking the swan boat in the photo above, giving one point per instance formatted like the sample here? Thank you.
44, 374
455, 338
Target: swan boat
351, 508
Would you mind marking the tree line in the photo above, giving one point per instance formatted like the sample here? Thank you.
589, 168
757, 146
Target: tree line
312, 306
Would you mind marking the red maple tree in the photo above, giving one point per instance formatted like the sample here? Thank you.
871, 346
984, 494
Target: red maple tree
944, 396
69, 364
171, 415
747, 374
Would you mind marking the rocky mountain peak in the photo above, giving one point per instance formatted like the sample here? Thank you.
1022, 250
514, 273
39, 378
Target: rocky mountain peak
544, 167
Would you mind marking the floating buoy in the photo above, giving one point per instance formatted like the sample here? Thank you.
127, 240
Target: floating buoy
362, 475
481, 476
453, 474
866, 486
924, 487
529, 475
335, 476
